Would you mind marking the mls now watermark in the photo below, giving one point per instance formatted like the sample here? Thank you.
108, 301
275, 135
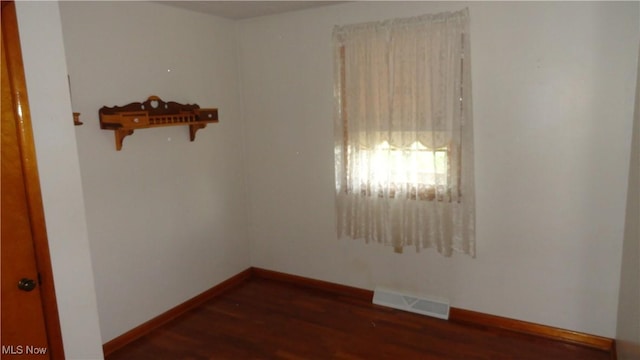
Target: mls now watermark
23, 350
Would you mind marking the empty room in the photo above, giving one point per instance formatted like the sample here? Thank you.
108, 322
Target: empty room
320, 180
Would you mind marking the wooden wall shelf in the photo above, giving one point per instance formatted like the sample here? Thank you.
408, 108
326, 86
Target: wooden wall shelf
154, 112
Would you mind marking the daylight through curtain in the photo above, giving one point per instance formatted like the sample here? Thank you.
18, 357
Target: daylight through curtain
404, 137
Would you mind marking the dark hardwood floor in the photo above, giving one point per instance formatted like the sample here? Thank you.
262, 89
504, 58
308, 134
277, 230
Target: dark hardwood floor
266, 319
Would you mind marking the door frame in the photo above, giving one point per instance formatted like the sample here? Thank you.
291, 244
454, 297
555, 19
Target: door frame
11, 40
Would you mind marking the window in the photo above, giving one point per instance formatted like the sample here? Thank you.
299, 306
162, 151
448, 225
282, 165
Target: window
404, 142
414, 170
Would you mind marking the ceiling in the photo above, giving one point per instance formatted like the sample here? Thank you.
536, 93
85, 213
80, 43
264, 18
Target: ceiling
246, 9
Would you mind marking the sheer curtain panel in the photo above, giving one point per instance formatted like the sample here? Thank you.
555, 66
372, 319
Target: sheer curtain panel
404, 134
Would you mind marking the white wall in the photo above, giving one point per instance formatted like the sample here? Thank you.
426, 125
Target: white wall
552, 83
55, 140
553, 87
628, 329
166, 217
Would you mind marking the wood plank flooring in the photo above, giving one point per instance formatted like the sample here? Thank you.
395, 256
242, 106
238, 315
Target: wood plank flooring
266, 319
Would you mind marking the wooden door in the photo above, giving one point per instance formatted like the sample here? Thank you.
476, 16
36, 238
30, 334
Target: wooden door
29, 319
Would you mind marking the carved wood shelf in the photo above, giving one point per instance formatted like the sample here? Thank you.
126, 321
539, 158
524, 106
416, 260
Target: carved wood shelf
154, 112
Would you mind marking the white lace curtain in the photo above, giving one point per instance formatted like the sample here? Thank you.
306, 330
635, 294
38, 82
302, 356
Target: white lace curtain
404, 135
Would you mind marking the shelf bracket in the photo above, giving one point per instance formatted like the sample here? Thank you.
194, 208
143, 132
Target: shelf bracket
120, 135
193, 128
